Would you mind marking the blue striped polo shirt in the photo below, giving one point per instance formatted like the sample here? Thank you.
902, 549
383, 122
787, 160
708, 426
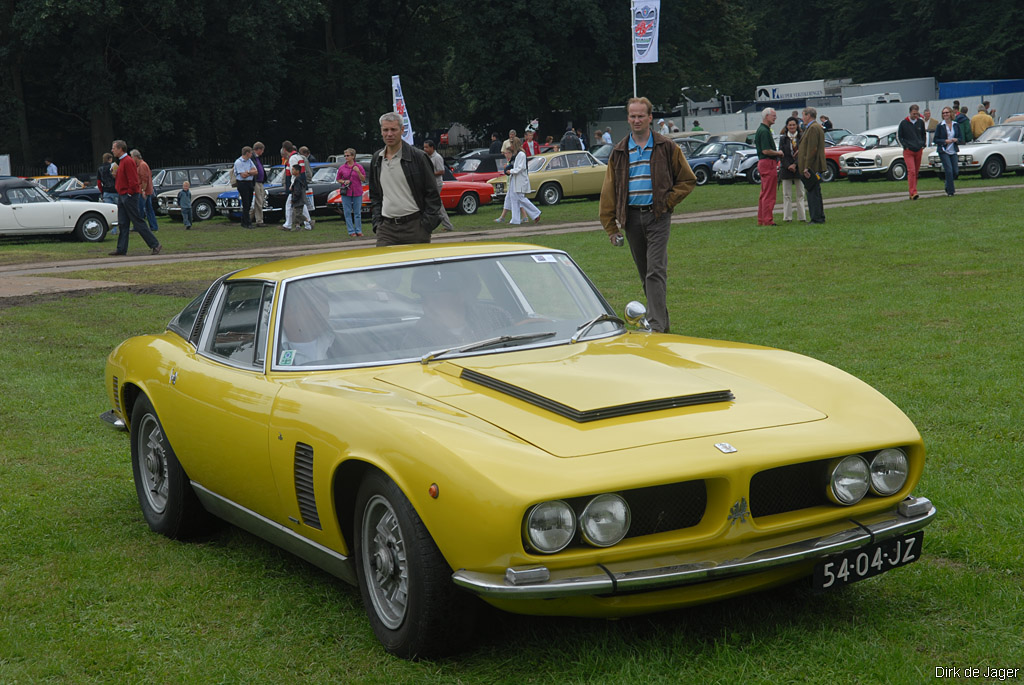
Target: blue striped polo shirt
641, 191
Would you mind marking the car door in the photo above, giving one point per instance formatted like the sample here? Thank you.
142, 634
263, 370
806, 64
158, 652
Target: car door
587, 174
33, 209
218, 411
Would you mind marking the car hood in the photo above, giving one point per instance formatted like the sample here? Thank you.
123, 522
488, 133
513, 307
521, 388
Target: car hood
574, 400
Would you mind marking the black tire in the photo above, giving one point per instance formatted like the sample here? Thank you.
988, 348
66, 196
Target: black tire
202, 209
550, 194
91, 228
754, 176
703, 174
169, 504
468, 203
414, 608
897, 171
831, 171
993, 167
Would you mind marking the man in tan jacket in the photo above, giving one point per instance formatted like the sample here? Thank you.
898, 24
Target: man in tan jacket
810, 162
647, 176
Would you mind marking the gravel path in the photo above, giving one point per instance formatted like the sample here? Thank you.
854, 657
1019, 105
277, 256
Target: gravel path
20, 280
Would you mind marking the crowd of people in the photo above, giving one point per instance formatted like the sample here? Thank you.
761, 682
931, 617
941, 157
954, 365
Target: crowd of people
800, 155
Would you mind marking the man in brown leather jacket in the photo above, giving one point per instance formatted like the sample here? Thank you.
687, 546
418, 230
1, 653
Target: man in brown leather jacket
647, 176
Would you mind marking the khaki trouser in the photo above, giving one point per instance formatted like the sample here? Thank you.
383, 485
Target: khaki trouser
258, 197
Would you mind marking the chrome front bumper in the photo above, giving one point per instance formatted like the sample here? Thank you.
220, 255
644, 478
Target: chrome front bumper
668, 571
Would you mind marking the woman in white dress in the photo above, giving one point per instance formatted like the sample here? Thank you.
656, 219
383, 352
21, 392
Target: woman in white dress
519, 186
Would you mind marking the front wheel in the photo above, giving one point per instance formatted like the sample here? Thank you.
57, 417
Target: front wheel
754, 175
992, 168
898, 171
169, 504
831, 172
702, 175
91, 228
414, 608
202, 210
550, 194
468, 203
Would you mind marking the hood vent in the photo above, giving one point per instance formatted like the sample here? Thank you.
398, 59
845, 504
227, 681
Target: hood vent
584, 416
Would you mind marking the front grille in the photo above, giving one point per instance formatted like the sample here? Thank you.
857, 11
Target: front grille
788, 488
304, 485
659, 508
857, 161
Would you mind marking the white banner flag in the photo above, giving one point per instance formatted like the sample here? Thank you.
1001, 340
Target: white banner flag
646, 19
399, 104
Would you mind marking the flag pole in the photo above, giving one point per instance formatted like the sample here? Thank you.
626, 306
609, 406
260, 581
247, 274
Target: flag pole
632, 44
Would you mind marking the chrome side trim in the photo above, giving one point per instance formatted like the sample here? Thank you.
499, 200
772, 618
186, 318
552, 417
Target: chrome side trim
334, 563
109, 417
676, 570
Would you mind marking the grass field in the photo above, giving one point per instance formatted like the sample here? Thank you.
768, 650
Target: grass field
922, 300
219, 233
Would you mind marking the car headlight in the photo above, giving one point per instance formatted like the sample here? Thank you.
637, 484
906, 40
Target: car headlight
848, 479
605, 521
889, 471
550, 526
878, 160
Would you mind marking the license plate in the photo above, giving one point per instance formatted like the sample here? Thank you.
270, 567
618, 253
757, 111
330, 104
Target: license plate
853, 172
858, 564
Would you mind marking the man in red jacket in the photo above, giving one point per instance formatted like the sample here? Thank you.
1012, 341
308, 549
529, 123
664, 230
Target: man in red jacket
127, 185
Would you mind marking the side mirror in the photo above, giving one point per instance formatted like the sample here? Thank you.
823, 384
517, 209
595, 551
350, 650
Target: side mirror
636, 315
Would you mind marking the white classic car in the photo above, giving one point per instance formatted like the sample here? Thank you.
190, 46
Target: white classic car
26, 209
879, 162
998, 149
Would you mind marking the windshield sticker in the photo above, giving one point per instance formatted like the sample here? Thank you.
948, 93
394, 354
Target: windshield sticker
544, 258
287, 357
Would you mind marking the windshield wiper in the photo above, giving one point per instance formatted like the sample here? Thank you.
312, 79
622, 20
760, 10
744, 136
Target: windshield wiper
484, 344
583, 329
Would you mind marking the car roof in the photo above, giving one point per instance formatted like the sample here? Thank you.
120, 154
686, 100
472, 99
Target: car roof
14, 182
374, 257
880, 131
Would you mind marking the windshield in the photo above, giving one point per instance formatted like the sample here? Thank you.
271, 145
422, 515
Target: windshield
70, 183
861, 140
158, 177
535, 164
466, 166
275, 176
404, 313
709, 149
223, 178
1000, 134
325, 174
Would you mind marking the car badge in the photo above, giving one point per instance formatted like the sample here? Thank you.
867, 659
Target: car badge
738, 512
725, 448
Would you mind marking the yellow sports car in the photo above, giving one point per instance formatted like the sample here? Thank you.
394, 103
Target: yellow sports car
441, 424
554, 175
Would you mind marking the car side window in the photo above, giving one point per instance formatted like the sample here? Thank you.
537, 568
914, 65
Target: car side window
235, 328
557, 163
177, 177
201, 176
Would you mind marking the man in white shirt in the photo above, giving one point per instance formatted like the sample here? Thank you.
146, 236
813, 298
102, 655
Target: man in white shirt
245, 174
606, 137
404, 198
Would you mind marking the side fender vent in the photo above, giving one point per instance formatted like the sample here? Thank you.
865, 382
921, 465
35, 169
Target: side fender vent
304, 485
117, 395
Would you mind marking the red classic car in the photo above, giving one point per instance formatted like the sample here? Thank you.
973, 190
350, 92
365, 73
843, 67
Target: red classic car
463, 196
